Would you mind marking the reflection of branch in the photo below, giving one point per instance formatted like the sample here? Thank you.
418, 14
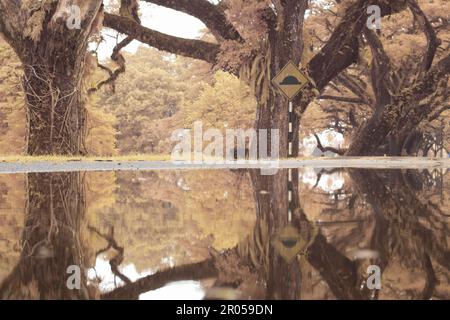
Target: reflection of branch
194, 271
118, 258
384, 200
325, 149
339, 272
431, 278
196, 49
327, 172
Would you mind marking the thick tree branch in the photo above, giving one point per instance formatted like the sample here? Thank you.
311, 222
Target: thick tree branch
9, 9
381, 69
341, 50
342, 99
196, 49
432, 40
327, 149
351, 84
431, 80
213, 16
438, 113
371, 135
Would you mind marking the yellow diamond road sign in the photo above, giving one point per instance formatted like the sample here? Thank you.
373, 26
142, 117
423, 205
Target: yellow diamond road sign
288, 243
290, 80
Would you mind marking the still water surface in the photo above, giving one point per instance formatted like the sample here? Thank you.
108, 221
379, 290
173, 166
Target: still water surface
226, 234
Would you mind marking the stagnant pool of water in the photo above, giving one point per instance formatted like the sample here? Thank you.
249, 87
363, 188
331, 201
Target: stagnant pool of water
226, 234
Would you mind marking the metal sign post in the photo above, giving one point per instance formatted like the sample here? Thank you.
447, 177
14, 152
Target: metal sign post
290, 81
290, 146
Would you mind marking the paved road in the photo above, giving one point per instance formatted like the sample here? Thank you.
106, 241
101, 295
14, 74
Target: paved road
372, 162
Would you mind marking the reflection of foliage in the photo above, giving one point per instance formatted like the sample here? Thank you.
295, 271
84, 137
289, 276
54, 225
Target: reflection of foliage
169, 214
12, 210
410, 234
232, 270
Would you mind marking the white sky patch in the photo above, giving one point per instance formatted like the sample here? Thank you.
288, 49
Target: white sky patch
180, 290
328, 182
329, 138
103, 271
157, 18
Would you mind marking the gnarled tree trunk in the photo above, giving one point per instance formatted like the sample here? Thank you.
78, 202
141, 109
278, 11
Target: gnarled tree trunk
53, 53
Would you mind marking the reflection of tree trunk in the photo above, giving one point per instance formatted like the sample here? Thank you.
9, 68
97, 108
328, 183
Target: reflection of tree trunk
271, 195
399, 230
51, 239
284, 279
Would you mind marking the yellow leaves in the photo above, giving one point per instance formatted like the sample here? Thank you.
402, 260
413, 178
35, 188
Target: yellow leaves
12, 212
101, 133
226, 211
227, 103
12, 106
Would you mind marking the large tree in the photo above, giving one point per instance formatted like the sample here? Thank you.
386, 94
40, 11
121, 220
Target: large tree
391, 61
54, 57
